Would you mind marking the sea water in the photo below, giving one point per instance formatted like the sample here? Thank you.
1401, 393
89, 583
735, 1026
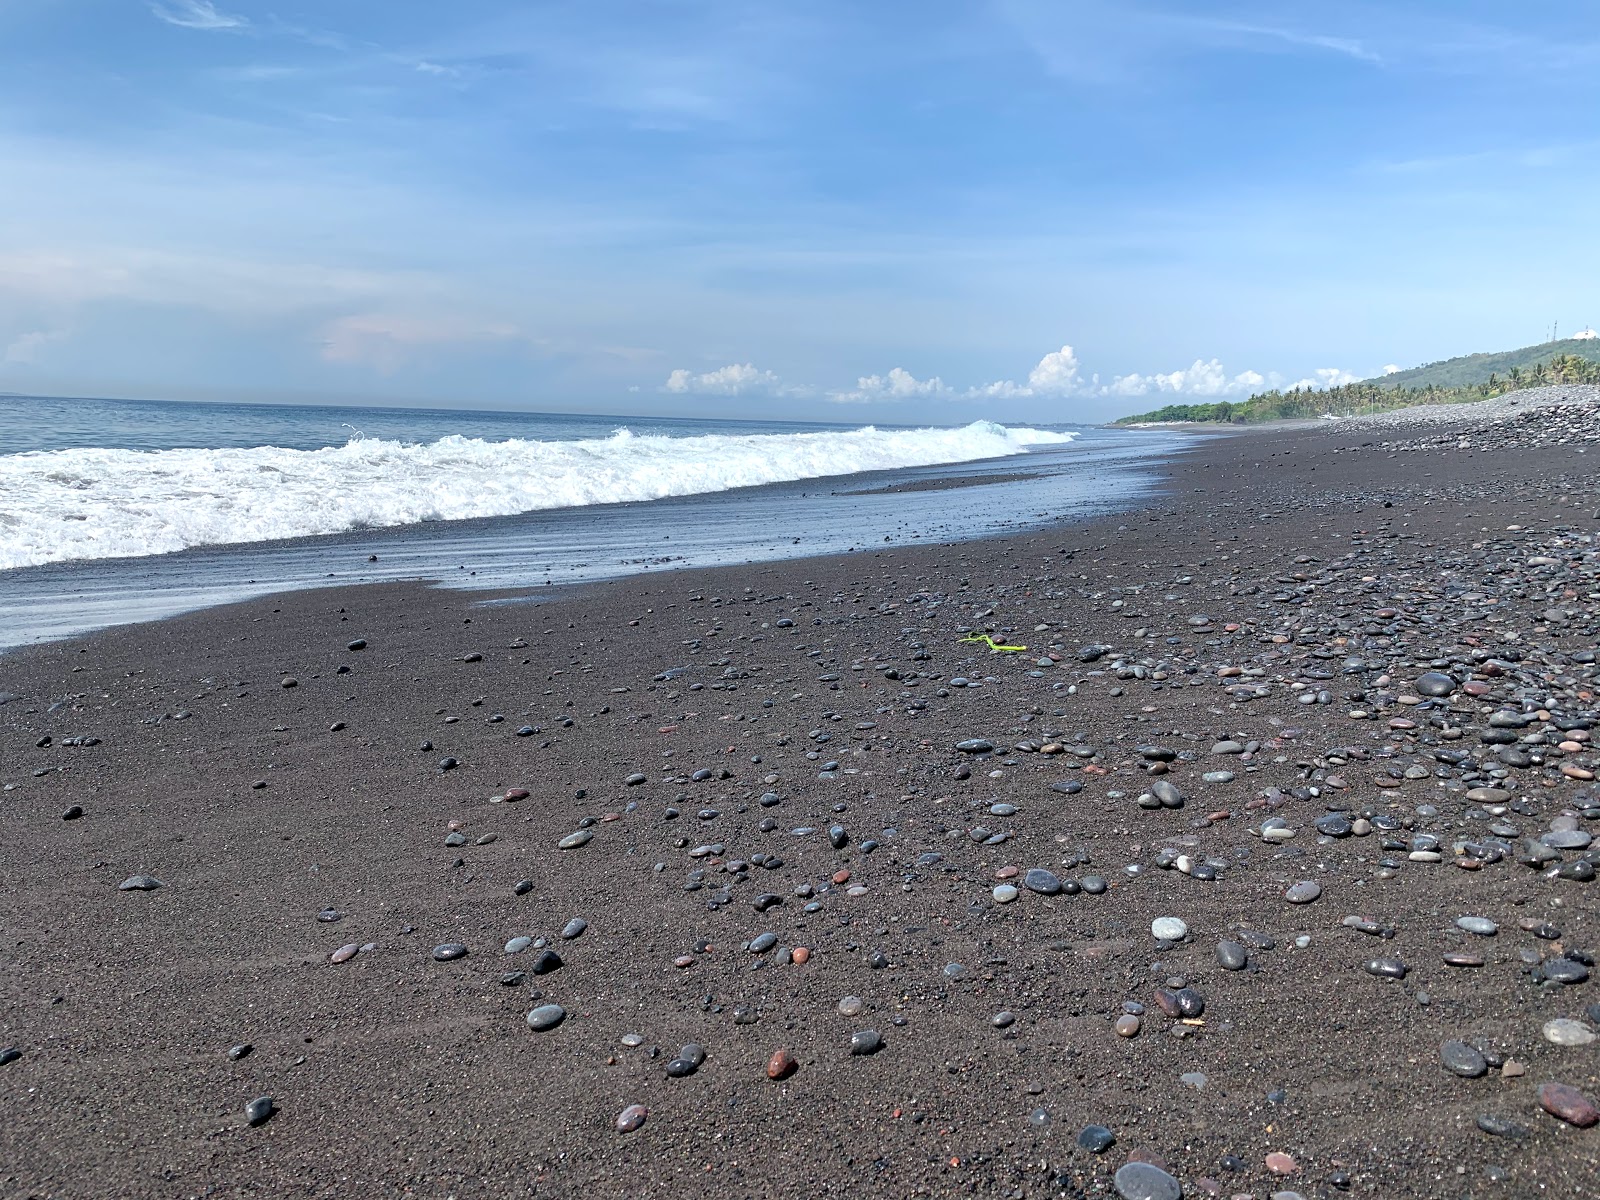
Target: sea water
117, 510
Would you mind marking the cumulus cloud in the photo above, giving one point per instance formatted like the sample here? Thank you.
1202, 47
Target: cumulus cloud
735, 379
1391, 369
898, 384
197, 14
1056, 374
387, 341
1203, 378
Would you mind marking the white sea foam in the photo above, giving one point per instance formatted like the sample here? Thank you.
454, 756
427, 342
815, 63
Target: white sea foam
59, 505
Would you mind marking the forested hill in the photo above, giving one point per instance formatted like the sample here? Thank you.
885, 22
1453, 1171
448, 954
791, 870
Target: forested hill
1454, 381
1470, 369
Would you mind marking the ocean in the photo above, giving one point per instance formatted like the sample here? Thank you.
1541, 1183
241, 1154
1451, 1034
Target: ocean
120, 510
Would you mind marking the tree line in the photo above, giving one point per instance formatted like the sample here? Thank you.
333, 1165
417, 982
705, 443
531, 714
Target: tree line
1370, 396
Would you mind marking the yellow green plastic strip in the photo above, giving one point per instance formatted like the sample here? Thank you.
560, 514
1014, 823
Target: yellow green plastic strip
994, 646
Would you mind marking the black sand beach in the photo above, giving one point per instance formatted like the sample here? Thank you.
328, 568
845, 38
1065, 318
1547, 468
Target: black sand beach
777, 749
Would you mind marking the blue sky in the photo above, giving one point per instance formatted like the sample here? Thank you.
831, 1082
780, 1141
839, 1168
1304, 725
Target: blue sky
921, 210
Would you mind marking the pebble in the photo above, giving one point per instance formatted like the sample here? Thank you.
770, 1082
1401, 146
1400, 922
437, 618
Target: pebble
1562, 1031
573, 840
851, 1006
259, 1109
546, 1016
574, 928
1387, 968
1046, 883
344, 953
448, 951
1004, 893
1169, 929
1303, 892
1568, 1103
865, 1041
1231, 956
1461, 1059
8, 1055
631, 1118
1127, 1025
139, 883
1481, 926
781, 1065
1497, 1126
1145, 1181
1096, 1139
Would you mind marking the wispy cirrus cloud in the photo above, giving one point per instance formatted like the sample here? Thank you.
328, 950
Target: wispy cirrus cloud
197, 14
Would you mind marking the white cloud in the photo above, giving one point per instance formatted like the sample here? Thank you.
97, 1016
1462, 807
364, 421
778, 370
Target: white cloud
24, 347
1204, 378
735, 379
1391, 369
898, 384
1056, 374
197, 14
1336, 376
385, 341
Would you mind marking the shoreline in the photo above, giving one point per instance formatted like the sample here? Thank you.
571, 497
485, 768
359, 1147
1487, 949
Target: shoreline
631, 537
1182, 637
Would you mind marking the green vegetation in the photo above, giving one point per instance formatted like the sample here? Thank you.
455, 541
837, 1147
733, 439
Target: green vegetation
1455, 381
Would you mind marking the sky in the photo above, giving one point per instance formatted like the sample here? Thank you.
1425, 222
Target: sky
904, 210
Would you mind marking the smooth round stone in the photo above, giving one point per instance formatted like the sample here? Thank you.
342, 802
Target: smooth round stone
1217, 777
448, 951
1169, 929
865, 1041
975, 746
1096, 1139
1094, 884
1004, 893
1303, 892
1435, 683
546, 1016
1194, 1079
851, 1006
1003, 1020
1563, 1031
1143, 1181
1127, 1025
631, 1118
1046, 883
1568, 1103
259, 1109
1461, 1059
763, 942
1387, 968
139, 883
1497, 1126
1564, 970
1481, 926
518, 944
573, 840
574, 928
1488, 795
344, 953
1231, 956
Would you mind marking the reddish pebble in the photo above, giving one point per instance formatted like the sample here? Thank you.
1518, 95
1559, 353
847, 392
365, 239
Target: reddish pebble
1006, 873
801, 955
516, 793
683, 960
631, 1118
781, 1065
456, 826
1568, 1103
1280, 1163
344, 953
841, 876
1127, 1025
